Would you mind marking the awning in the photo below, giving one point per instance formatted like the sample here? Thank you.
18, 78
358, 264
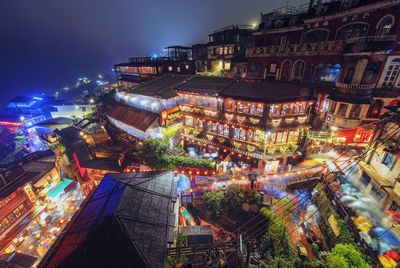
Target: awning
55, 192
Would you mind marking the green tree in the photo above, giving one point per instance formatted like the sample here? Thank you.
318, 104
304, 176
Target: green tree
280, 239
235, 197
153, 152
315, 249
214, 201
179, 258
346, 255
252, 196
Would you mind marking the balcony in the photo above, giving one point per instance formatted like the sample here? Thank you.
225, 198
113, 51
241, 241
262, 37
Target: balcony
370, 44
342, 122
354, 89
293, 50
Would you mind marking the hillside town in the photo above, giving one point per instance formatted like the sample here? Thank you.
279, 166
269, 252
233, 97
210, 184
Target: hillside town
270, 145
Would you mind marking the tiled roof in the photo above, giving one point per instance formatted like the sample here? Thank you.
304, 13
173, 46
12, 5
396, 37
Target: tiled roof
205, 85
161, 87
274, 91
138, 119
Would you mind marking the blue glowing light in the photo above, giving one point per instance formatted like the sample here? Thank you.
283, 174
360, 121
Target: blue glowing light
38, 98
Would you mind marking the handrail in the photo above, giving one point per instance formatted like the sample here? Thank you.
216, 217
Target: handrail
355, 86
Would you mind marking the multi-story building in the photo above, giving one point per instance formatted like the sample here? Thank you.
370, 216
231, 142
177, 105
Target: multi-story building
89, 154
260, 124
226, 49
178, 60
381, 170
22, 184
199, 54
350, 43
140, 113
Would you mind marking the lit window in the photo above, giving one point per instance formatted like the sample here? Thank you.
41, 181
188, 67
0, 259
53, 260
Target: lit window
178, 69
388, 160
342, 109
170, 68
189, 121
281, 137
187, 67
294, 136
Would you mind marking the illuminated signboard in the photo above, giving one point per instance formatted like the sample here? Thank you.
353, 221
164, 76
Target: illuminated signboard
29, 193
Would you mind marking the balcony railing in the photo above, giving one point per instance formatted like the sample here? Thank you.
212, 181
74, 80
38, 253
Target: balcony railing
354, 89
375, 38
322, 48
370, 43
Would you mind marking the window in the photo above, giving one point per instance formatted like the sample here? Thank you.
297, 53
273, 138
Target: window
385, 27
355, 111
223, 130
375, 109
319, 72
221, 51
178, 69
226, 50
230, 105
342, 110
315, 36
294, 136
309, 72
370, 74
170, 68
187, 67
281, 137
198, 124
388, 160
230, 50
352, 30
208, 102
237, 133
272, 68
298, 70
328, 74
189, 121
275, 110
286, 109
332, 73
286, 69
272, 138
243, 107
392, 73
348, 78
256, 109
243, 134
332, 107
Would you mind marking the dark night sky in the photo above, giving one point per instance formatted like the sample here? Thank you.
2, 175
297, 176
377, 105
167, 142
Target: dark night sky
47, 43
